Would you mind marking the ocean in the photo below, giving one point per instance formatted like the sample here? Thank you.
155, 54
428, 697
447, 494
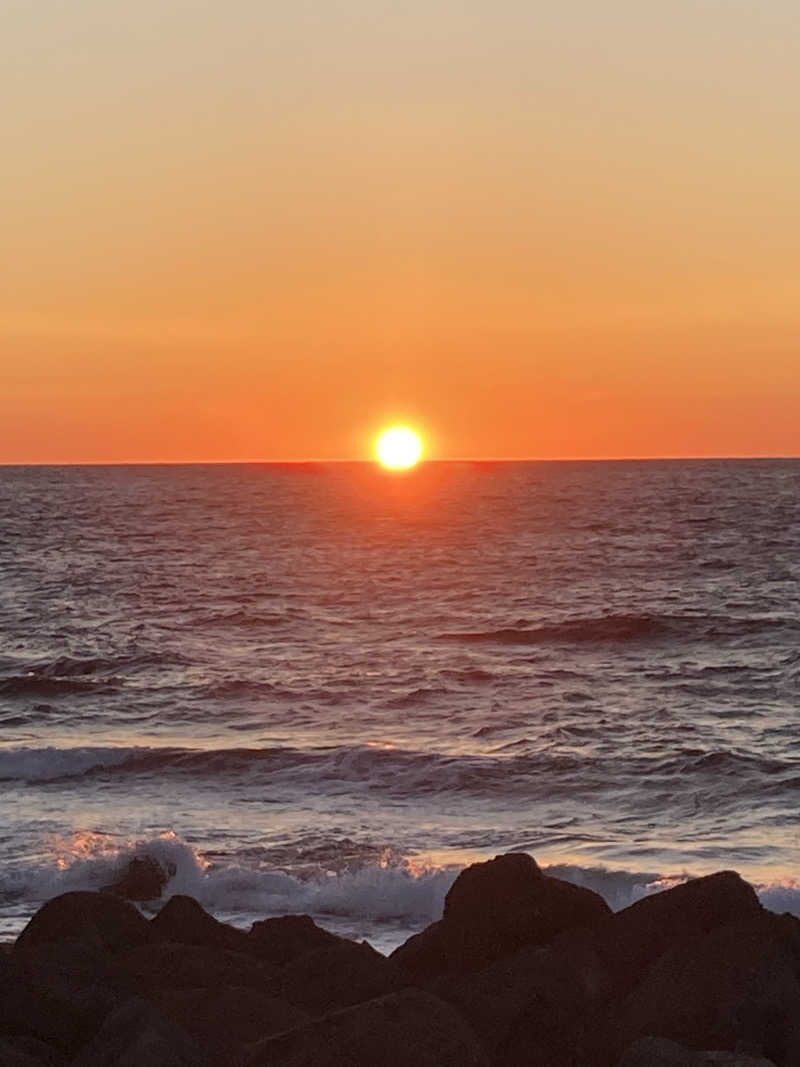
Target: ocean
324, 688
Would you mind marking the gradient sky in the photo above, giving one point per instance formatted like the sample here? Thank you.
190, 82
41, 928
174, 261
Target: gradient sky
260, 231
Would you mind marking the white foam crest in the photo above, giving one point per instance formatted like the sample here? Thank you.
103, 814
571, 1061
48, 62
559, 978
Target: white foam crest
384, 901
392, 890
384, 893
45, 764
87, 860
373, 893
781, 897
619, 888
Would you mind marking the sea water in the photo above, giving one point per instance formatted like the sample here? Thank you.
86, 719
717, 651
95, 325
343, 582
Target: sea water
324, 688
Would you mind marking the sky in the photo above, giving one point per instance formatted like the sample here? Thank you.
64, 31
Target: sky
256, 231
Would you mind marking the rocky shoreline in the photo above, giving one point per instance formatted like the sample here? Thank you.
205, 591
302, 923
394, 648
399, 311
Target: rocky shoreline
522, 969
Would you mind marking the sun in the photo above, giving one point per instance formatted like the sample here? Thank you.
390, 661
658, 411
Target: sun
398, 448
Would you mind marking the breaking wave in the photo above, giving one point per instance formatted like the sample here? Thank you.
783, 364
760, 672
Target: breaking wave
385, 897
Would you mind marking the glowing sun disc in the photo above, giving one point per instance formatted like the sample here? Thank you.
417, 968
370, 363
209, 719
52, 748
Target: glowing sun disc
399, 448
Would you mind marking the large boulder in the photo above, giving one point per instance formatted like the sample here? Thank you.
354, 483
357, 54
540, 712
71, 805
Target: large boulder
495, 908
136, 1035
95, 919
281, 940
736, 988
183, 920
338, 976
637, 936
406, 1029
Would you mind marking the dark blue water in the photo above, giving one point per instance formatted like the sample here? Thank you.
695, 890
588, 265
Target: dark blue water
325, 687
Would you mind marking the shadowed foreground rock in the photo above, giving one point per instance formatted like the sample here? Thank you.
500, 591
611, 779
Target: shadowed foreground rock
737, 987
136, 1035
224, 1021
523, 970
408, 1029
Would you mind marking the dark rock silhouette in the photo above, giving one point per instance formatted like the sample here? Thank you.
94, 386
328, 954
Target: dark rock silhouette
143, 879
98, 919
521, 969
637, 936
495, 908
287, 938
183, 920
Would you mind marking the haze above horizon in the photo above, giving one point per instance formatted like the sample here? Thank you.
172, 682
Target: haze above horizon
250, 231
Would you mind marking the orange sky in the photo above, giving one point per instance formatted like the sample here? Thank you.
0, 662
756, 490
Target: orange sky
233, 232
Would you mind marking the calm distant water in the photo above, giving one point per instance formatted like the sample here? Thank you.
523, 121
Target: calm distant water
325, 688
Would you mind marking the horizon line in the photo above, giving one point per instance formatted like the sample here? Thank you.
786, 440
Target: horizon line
371, 462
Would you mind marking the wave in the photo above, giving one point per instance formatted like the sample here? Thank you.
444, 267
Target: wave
386, 897
513, 771
52, 764
628, 628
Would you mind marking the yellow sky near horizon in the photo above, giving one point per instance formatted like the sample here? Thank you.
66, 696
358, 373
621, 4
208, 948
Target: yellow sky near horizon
249, 231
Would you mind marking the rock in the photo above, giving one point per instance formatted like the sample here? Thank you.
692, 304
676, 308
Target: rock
59, 993
72, 987
494, 909
406, 1029
426, 954
222, 1021
183, 920
658, 1052
636, 937
136, 1035
144, 879
338, 976
736, 988
173, 966
97, 919
284, 939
